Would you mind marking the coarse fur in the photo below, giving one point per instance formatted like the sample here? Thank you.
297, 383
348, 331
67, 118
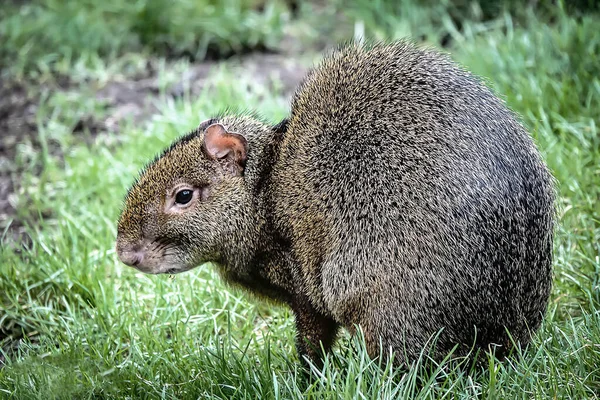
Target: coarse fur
400, 196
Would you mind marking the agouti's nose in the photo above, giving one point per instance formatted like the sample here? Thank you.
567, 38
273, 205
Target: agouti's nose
131, 258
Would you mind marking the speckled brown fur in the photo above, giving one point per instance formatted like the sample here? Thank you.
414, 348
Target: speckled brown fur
401, 195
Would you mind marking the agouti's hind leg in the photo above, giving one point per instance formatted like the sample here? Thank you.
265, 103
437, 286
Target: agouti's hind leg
313, 330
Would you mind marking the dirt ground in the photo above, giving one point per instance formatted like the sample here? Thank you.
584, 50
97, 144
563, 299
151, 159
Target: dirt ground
17, 123
125, 99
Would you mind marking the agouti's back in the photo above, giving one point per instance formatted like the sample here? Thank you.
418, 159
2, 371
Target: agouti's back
414, 201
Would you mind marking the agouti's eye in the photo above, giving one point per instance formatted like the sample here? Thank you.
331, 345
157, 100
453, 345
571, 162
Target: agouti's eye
184, 196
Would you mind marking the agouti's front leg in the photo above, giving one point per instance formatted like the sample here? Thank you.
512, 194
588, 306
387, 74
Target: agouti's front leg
313, 330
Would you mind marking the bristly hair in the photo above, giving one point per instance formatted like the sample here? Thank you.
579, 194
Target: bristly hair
185, 138
194, 133
182, 140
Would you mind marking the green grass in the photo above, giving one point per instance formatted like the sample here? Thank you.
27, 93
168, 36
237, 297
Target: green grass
46, 36
78, 324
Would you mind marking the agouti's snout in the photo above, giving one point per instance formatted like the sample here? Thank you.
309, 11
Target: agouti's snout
139, 255
130, 256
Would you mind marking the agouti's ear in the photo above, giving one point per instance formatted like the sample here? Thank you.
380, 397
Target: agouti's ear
229, 148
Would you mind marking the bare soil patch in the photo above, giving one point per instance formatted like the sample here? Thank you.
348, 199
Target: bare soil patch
17, 124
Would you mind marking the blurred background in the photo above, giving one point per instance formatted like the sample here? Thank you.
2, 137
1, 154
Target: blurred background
91, 90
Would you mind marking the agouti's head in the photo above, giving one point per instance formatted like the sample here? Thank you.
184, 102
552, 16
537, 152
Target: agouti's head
189, 206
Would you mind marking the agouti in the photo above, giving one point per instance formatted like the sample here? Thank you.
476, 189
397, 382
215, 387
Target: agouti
400, 196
